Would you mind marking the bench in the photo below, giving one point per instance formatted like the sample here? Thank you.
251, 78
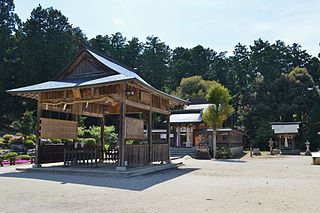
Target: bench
316, 158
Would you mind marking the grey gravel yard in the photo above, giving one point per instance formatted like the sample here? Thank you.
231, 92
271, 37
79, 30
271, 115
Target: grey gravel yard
259, 184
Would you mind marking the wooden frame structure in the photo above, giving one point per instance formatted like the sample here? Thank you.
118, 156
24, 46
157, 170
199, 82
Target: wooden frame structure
96, 85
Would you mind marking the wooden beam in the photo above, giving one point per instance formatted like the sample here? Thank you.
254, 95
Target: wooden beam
146, 107
161, 111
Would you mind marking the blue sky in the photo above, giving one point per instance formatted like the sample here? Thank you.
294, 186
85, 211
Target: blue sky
219, 25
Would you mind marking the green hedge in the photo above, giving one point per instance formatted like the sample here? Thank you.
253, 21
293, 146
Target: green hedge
7, 137
56, 141
24, 157
31, 137
10, 155
29, 144
89, 141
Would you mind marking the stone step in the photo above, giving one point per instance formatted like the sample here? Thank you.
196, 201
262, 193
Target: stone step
180, 152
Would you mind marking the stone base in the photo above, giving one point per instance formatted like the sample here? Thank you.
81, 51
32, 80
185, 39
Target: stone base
121, 168
307, 153
37, 166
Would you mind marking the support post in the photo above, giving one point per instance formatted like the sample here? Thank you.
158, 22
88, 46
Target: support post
38, 139
168, 136
122, 130
150, 136
102, 138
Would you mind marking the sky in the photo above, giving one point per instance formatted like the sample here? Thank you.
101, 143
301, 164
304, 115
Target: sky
217, 24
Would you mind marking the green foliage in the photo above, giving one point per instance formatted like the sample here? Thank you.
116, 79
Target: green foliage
29, 144
67, 141
132, 142
24, 157
7, 137
31, 137
220, 109
89, 141
94, 132
2, 144
56, 141
193, 87
223, 153
25, 124
10, 155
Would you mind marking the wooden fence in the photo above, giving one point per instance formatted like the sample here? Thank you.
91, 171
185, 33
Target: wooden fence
50, 153
160, 152
137, 155
86, 156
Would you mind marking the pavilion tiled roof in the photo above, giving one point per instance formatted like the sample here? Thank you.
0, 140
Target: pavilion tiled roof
124, 74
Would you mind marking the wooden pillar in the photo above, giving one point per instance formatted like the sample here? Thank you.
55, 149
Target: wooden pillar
168, 136
102, 138
191, 137
150, 136
122, 128
38, 139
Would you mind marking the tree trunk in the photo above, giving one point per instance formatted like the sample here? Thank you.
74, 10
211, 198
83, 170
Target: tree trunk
214, 138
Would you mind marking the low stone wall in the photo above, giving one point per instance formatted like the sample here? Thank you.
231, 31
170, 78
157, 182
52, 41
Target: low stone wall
236, 151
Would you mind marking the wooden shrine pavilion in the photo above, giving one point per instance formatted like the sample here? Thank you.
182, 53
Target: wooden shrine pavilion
96, 85
285, 133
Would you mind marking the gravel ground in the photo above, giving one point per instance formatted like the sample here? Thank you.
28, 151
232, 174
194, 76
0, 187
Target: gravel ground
259, 184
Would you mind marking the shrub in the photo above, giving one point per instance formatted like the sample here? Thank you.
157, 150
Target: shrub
29, 144
7, 137
89, 141
18, 140
24, 157
32, 137
10, 155
56, 141
94, 132
67, 141
2, 144
223, 153
19, 134
132, 142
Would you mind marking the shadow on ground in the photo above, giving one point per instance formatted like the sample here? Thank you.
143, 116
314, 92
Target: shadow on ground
138, 183
231, 160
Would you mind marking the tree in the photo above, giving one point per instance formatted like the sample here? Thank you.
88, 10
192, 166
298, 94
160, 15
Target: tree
193, 87
155, 62
26, 124
9, 23
219, 109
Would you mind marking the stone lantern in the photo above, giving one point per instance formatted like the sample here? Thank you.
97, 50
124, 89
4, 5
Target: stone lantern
307, 148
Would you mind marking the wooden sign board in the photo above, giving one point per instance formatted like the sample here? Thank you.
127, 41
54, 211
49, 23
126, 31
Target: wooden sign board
134, 128
60, 129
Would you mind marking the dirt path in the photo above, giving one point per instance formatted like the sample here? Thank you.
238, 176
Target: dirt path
261, 184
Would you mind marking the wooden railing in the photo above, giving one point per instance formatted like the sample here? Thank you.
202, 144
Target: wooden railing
50, 153
160, 152
86, 156
136, 155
